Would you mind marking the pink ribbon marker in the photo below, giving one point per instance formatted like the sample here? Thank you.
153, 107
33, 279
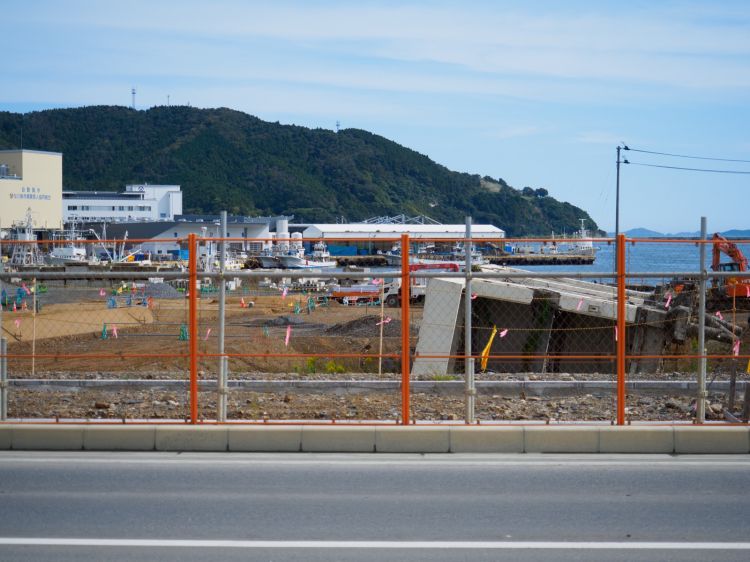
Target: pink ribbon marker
747, 291
718, 315
18, 322
385, 320
504, 333
102, 293
377, 281
283, 293
288, 335
474, 296
25, 288
242, 303
736, 348
114, 331
669, 300
208, 333
580, 304
615, 333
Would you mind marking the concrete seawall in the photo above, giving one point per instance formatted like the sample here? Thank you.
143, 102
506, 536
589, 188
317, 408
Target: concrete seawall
665, 439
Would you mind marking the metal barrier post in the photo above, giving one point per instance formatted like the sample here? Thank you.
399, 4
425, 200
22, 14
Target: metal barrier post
620, 333
405, 343
700, 412
193, 322
221, 414
469, 389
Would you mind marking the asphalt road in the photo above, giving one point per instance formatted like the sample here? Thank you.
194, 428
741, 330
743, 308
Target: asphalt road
166, 506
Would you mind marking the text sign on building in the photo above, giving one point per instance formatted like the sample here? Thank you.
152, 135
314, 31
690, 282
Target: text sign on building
31, 193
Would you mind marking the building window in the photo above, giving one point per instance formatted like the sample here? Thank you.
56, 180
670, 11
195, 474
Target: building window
130, 207
72, 207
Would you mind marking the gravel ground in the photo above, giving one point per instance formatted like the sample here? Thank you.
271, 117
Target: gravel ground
243, 405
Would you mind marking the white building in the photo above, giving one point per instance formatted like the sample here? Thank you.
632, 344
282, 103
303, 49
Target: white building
30, 181
374, 236
165, 237
139, 202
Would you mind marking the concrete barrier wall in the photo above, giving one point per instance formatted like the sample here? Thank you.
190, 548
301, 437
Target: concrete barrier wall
663, 439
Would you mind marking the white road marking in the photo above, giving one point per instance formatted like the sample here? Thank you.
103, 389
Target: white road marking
457, 545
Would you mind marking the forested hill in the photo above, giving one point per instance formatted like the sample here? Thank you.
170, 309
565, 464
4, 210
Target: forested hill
225, 159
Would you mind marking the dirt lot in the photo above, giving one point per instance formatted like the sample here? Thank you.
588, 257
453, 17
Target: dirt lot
270, 337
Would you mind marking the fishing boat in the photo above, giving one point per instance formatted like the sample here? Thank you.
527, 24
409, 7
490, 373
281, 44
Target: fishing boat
68, 250
581, 244
268, 258
24, 251
456, 256
297, 259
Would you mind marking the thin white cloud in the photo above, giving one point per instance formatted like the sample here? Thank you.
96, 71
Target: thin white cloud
652, 45
505, 133
599, 137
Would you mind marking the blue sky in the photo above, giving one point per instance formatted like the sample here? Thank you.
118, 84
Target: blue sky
537, 93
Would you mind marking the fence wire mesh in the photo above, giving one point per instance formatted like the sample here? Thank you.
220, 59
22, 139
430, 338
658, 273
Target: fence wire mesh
535, 326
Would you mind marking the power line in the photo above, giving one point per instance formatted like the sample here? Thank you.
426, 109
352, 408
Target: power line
688, 169
686, 156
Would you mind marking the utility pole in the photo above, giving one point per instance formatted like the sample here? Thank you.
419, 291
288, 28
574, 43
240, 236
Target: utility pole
617, 196
617, 192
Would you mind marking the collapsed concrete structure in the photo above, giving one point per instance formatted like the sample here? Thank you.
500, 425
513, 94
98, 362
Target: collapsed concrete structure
549, 325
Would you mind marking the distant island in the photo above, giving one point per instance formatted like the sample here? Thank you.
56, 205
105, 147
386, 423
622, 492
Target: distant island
229, 160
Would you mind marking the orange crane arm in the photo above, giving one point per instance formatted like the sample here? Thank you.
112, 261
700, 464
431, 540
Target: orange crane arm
722, 245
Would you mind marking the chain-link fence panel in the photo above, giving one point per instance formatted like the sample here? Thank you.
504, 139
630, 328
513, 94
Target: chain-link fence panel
89, 338
305, 342
665, 356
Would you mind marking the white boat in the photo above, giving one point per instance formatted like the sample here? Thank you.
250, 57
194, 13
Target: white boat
231, 263
583, 244
320, 257
69, 254
580, 244
25, 251
268, 258
455, 257
68, 250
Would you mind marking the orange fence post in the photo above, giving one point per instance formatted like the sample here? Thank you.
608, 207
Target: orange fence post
621, 335
405, 345
193, 322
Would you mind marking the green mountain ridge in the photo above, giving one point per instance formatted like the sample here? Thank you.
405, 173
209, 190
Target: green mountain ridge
226, 159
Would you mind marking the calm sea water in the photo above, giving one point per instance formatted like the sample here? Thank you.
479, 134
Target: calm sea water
648, 257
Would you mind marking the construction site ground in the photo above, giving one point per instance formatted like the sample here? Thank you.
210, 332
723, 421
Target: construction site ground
74, 338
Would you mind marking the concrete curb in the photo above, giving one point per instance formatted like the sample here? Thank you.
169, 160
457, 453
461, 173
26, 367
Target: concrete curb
49, 437
664, 439
568, 439
268, 439
711, 440
119, 438
630, 439
483, 439
412, 439
351, 439
186, 438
